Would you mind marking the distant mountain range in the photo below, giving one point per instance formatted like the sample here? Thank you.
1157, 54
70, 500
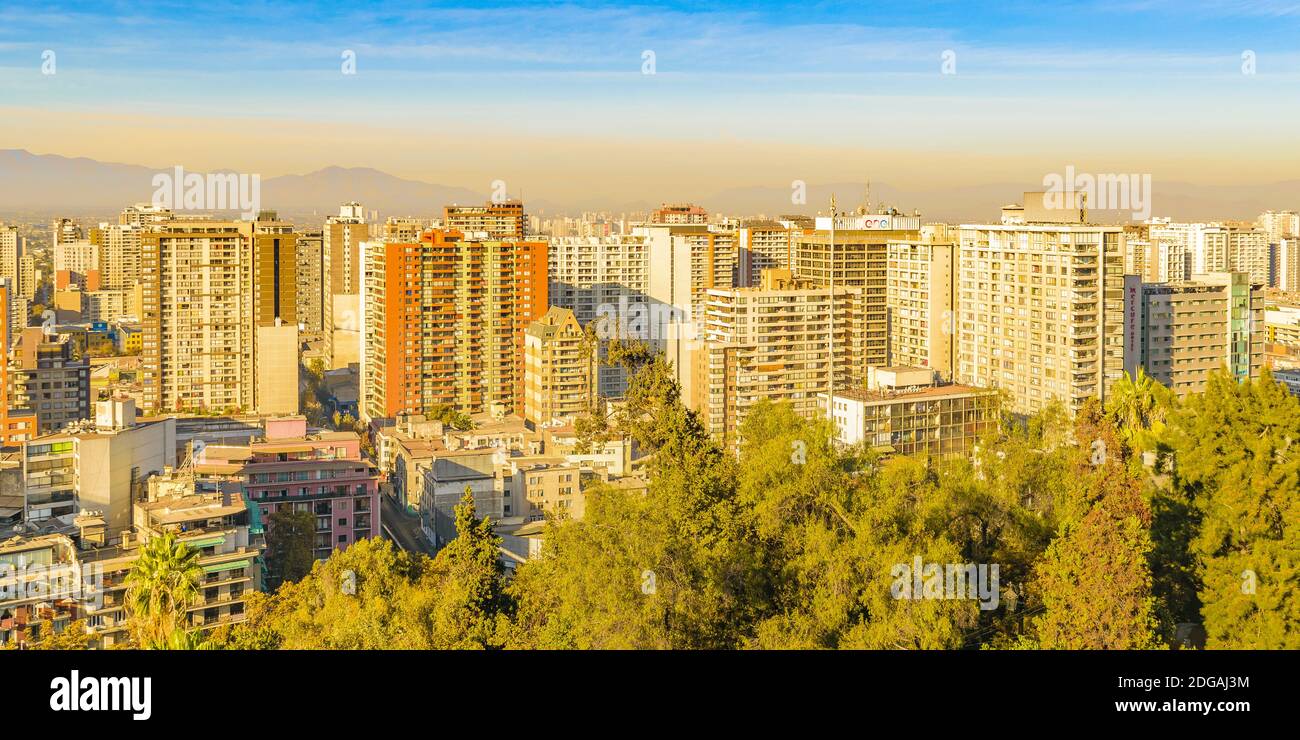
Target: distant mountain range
52, 184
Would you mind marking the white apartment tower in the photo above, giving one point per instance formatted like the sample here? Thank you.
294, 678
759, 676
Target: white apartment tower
606, 280
1041, 311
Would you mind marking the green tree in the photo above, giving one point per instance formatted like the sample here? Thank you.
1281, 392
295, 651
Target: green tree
373, 596
669, 568
1094, 581
1139, 405
472, 610
1237, 471
72, 637
161, 585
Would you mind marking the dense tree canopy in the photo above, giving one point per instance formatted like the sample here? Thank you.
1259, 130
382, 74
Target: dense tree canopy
1067, 536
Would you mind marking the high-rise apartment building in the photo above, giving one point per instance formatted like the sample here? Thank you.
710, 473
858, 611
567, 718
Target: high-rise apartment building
444, 321
309, 273
852, 251
559, 369
1218, 247
1278, 225
688, 260
1236, 249
606, 280
119, 255
80, 257
1040, 311
504, 221
197, 323
63, 230
11, 254
922, 299
406, 229
144, 215
29, 276
341, 272
1288, 264
1181, 332
763, 245
785, 340
275, 315
343, 235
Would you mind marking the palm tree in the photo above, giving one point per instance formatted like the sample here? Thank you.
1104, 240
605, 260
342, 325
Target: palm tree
1139, 405
162, 585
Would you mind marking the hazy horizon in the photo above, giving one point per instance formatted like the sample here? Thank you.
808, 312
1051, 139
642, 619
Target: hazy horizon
553, 101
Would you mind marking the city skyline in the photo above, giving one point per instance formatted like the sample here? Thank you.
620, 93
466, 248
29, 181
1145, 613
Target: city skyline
545, 328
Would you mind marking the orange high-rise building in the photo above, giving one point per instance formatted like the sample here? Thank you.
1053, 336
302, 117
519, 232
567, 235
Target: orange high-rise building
444, 322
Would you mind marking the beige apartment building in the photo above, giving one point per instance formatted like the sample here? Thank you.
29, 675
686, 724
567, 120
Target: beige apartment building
198, 316
852, 251
309, 275
559, 369
80, 257
1041, 311
688, 260
1181, 332
65, 230
1278, 225
776, 342
11, 254
1237, 249
763, 245
541, 485
341, 265
1288, 265
144, 214
29, 276
921, 298
1218, 247
119, 255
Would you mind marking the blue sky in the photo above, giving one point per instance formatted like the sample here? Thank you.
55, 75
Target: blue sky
476, 89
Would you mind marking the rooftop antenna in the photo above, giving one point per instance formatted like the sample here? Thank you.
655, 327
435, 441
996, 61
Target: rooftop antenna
867, 204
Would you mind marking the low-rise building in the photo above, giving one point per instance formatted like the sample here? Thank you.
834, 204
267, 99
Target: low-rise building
290, 470
101, 464
76, 568
48, 377
904, 411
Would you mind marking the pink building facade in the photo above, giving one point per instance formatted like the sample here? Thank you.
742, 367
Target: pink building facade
324, 474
